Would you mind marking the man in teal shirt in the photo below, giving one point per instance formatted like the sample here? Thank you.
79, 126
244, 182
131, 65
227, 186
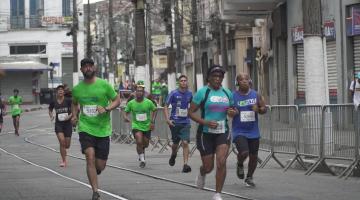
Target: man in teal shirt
15, 102
96, 98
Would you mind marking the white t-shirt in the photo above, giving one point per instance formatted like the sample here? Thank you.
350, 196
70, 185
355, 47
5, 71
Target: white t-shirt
356, 98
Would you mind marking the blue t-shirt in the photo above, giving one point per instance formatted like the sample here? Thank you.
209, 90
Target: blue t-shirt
246, 122
179, 102
215, 107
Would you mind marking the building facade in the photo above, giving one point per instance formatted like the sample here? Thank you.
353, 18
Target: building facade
39, 29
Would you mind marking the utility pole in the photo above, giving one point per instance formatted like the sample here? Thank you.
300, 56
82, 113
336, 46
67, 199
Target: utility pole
316, 91
88, 37
198, 77
140, 49
149, 44
171, 54
178, 32
75, 27
112, 47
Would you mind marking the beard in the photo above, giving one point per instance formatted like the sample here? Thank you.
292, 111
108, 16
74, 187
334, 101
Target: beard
89, 74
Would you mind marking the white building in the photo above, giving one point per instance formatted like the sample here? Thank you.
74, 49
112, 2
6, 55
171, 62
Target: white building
37, 29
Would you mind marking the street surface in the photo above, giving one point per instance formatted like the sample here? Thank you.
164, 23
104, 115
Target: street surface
29, 170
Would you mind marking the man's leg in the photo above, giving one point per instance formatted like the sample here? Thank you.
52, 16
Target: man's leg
185, 146
140, 147
91, 168
17, 124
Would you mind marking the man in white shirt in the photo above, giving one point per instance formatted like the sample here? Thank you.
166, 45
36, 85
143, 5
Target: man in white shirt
355, 90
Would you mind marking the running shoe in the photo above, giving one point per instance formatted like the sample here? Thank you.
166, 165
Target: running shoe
217, 196
96, 196
249, 182
186, 168
240, 171
172, 160
200, 181
142, 164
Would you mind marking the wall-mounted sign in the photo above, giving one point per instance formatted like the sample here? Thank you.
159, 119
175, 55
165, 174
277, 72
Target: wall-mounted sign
297, 34
329, 29
353, 22
55, 20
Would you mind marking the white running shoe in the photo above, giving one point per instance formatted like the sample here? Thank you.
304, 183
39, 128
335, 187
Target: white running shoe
200, 181
217, 196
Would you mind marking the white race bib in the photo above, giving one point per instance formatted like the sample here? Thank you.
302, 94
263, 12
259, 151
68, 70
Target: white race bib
219, 129
141, 117
62, 116
247, 116
90, 110
16, 106
183, 112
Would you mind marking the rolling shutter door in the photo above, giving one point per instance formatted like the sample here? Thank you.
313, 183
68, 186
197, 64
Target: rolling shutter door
300, 71
331, 64
356, 40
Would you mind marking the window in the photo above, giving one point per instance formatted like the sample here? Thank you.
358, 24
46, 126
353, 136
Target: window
17, 13
66, 8
36, 11
27, 49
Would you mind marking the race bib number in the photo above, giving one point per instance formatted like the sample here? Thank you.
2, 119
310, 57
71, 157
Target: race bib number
62, 117
247, 116
16, 106
90, 110
141, 117
183, 113
219, 129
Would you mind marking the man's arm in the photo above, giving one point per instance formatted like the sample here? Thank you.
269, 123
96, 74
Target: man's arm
74, 111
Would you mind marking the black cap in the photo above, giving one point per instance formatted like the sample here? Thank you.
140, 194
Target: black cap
86, 61
215, 68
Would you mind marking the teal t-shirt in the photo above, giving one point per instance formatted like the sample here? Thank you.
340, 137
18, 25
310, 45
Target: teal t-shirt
215, 107
89, 96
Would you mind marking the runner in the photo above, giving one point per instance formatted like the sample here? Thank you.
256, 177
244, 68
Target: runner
96, 98
213, 136
15, 102
142, 125
245, 128
2, 113
179, 122
63, 126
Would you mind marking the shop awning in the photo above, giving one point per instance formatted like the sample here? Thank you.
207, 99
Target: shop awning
24, 66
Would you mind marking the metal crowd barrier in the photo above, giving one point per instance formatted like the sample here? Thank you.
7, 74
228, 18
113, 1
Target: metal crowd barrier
320, 132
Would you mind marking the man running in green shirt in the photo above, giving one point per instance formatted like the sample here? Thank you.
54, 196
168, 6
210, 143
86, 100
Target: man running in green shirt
141, 110
15, 102
96, 98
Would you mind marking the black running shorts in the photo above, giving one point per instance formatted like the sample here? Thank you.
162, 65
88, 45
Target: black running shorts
101, 145
207, 142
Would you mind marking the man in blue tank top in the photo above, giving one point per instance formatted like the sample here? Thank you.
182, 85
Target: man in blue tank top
245, 127
178, 121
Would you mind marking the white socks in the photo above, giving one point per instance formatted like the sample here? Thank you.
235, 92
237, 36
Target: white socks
142, 157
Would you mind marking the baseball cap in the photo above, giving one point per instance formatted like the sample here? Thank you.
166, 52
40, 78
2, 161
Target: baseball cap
86, 61
140, 83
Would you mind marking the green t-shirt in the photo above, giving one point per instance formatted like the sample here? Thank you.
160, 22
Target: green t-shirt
156, 88
140, 113
89, 96
15, 105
